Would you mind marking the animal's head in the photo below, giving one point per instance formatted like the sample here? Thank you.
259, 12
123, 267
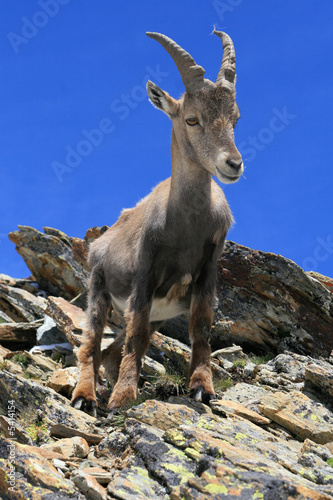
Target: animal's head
205, 116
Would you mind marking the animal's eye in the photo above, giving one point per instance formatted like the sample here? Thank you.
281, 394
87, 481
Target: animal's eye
192, 122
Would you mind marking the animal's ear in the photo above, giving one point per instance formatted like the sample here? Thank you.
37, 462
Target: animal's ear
161, 99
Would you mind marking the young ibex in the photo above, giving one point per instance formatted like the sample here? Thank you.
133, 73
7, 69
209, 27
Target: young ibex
159, 259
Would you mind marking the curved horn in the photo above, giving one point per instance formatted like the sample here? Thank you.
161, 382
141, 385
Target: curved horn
189, 71
227, 73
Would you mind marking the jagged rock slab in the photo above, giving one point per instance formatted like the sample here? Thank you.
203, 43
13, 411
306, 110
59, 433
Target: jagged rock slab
292, 371
300, 415
88, 485
64, 431
176, 351
93, 233
100, 474
10, 428
225, 408
69, 318
19, 332
44, 363
135, 483
28, 284
163, 461
247, 394
4, 318
21, 305
33, 476
267, 301
320, 374
171, 416
201, 455
152, 367
50, 258
35, 403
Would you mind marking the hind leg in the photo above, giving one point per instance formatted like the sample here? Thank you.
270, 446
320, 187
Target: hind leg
112, 356
89, 354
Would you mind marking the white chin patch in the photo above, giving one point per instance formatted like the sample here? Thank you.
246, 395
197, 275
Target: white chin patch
226, 179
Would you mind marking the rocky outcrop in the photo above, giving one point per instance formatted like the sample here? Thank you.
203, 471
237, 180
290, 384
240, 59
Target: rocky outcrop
264, 301
268, 301
268, 434
54, 261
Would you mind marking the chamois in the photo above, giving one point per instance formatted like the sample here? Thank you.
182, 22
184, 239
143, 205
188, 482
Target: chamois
159, 259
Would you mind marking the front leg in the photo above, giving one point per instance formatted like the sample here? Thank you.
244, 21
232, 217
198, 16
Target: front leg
201, 382
136, 345
89, 354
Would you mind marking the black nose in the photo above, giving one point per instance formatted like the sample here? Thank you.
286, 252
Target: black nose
234, 164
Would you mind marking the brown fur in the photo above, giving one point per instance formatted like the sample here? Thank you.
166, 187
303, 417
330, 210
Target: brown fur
159, 259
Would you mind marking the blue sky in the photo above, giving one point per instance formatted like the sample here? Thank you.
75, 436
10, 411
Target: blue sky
72, 93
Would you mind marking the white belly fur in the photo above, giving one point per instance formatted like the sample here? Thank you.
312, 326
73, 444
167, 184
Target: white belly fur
161, 310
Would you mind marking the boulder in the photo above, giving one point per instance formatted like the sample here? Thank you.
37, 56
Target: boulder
21, 305
320, 374
300, 415
50, 258
37, 404
19, 332
69, 318
26, 474
267, 302
88, 485
69, 447
64, 380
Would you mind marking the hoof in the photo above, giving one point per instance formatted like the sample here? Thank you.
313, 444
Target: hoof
200, 394
83, 404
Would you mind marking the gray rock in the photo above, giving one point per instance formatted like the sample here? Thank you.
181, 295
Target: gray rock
48, 333
249, 369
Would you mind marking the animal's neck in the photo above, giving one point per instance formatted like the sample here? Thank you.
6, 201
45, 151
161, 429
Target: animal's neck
190, 182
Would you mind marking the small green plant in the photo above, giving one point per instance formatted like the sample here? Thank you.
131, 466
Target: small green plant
35, 428
21, 359
240, 363
330, 462
118, 420
220, 385
59, 357
260, 360
169, 384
